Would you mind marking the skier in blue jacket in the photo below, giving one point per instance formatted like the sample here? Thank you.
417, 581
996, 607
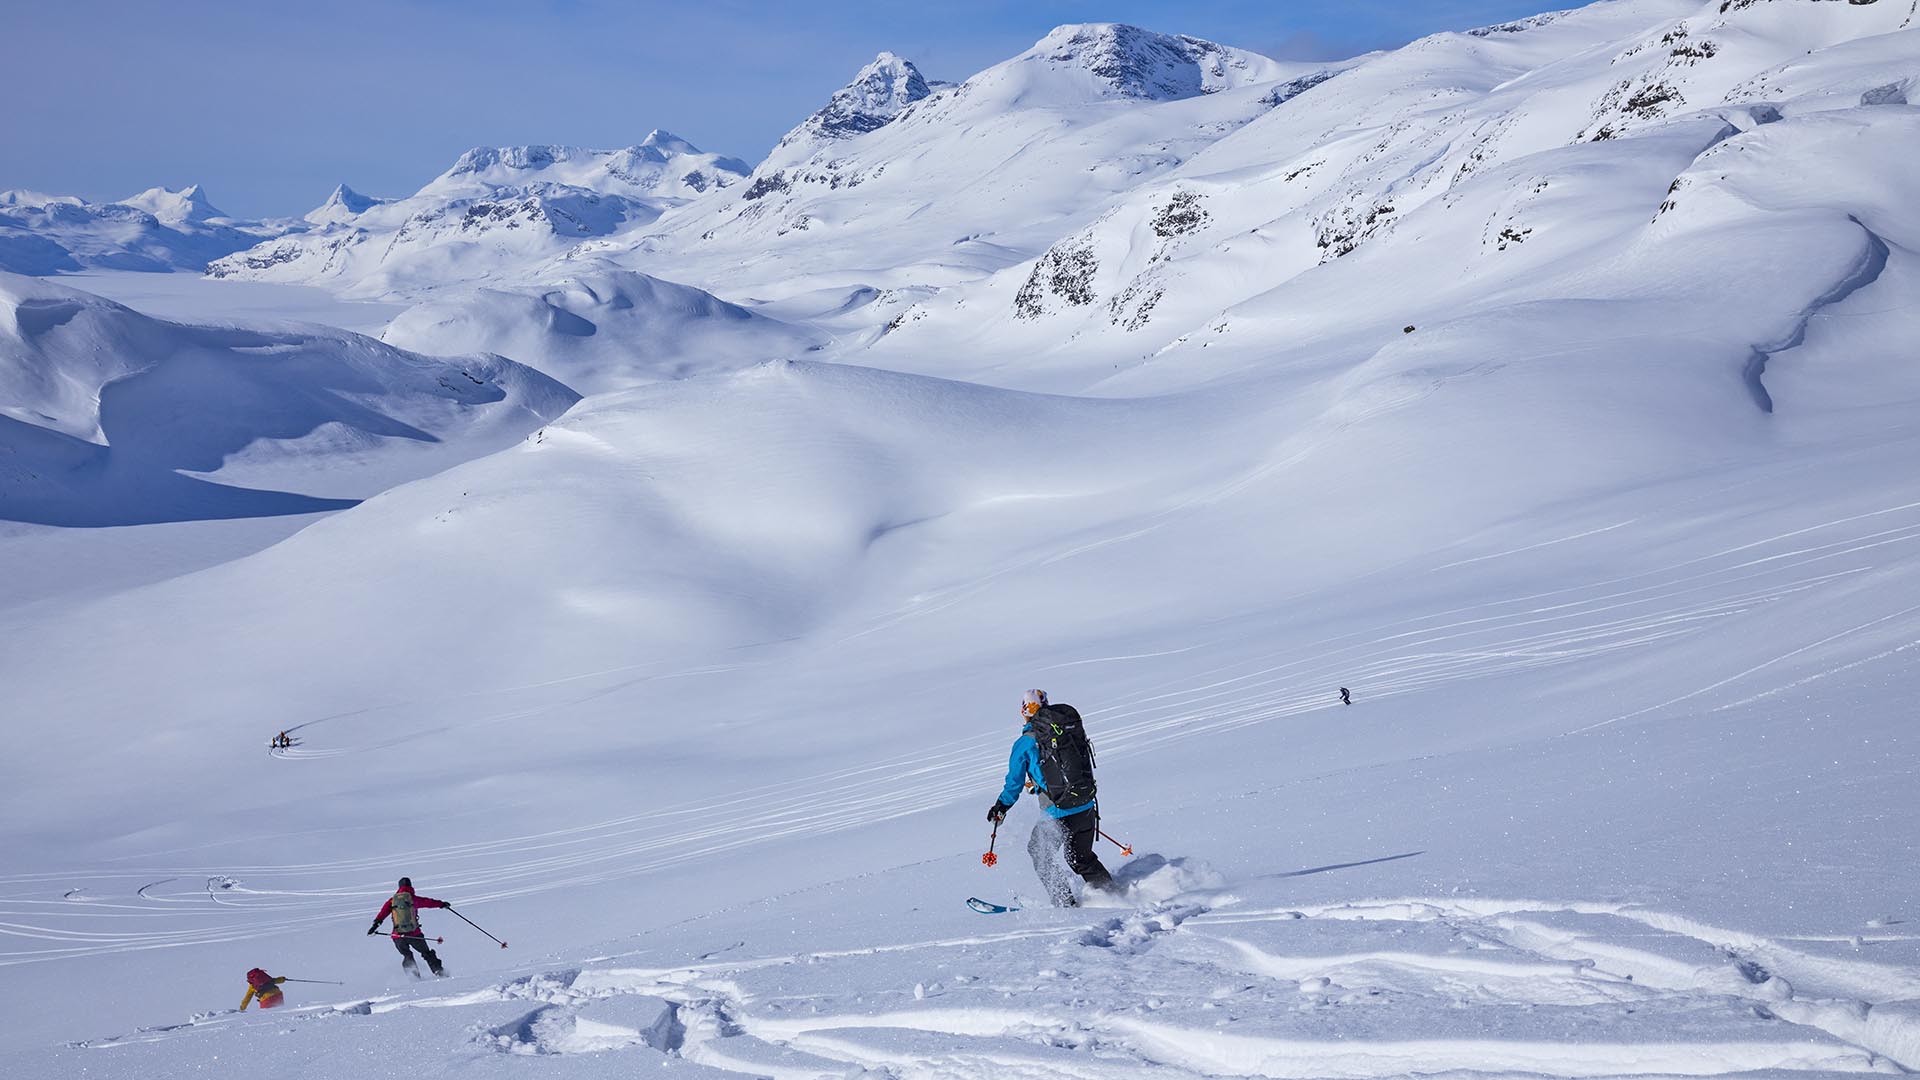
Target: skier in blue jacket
1053, 756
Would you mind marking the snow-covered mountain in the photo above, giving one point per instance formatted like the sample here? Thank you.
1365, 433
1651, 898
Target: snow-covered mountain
875, 98
928, 182
1547, 386
602, 330
24, 197
156, 230
495, 210
342, 206
1465, 154
174, 209
1116, 60
108, 417
660, 166
1106, 104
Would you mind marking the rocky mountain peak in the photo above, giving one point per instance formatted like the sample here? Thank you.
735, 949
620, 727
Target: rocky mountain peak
876, 97
1131, 62
342, 204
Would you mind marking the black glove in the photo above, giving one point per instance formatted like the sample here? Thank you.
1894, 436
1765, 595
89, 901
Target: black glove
999, 812
374, 929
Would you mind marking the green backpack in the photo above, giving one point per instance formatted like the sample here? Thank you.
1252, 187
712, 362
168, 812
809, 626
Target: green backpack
404, 920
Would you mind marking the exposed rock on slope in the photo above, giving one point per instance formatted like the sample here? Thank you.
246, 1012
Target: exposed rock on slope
875, 98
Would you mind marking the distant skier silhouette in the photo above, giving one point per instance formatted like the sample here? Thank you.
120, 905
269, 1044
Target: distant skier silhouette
1346, 696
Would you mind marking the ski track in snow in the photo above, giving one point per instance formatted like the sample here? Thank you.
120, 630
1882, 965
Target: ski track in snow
1201, 986
169, 906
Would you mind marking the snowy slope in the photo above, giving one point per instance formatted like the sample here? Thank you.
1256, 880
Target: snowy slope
495, 209
113, 418
156, 230
1588, 468
599, 331
1487, 138
1650, 610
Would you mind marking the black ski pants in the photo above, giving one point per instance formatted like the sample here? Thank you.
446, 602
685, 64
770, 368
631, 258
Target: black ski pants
1072, 836
418, 943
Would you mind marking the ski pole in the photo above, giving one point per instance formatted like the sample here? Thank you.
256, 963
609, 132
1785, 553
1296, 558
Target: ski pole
477, 926
1125, 849
324, 982
990, 858
435, 940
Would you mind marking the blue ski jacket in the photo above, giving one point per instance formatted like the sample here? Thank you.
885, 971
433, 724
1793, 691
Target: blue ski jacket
1024, 762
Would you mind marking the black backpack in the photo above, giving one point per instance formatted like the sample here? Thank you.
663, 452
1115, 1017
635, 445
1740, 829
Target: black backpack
1066, 756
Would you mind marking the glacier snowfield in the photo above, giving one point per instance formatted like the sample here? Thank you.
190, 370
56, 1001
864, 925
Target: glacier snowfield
647, 551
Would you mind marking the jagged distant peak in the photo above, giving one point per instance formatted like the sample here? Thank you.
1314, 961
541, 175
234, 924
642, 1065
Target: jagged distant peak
344, 203
890, 80
351, 199
875, 98
668, 143
1138, 63
173, 207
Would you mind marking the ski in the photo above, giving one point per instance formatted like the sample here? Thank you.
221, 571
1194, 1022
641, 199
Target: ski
985, 908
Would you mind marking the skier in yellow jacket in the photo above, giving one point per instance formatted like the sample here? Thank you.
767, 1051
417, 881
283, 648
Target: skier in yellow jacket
264, 987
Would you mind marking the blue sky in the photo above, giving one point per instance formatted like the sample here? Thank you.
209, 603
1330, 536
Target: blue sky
269, 104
